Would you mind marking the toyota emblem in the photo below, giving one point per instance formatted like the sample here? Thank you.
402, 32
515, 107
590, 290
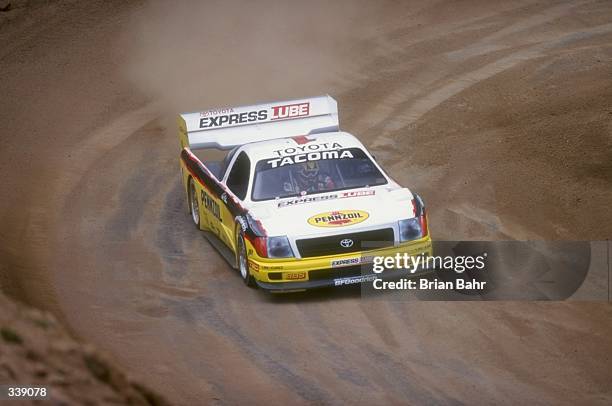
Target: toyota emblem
346, 243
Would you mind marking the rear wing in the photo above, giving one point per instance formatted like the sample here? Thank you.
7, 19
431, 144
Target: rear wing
225, 128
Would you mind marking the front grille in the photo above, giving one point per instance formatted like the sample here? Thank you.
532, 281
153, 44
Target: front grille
316, 247
335, 273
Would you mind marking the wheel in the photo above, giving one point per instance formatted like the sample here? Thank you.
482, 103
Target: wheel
243, 262
194, 206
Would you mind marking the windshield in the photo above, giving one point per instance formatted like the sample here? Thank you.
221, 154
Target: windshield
314, 172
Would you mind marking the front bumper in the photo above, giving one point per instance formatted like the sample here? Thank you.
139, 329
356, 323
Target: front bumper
366, 276
335, 270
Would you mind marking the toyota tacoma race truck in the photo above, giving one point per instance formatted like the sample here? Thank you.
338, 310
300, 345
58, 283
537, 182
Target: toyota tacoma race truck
291, 201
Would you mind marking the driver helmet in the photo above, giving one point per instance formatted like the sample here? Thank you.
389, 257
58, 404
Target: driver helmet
308, 171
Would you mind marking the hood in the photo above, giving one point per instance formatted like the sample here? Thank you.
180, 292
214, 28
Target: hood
334, 212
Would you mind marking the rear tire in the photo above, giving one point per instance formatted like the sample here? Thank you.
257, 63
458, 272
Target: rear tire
194, 206
243, 262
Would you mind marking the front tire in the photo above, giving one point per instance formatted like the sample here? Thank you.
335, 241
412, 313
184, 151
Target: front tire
194, 206
243, 262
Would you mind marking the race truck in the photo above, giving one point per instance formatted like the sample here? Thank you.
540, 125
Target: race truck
289, 200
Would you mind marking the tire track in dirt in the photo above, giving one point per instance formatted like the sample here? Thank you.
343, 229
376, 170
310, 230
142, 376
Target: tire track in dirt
400, 43
495, 41
405, 117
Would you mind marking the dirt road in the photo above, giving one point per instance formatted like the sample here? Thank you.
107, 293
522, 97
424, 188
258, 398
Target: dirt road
498, 113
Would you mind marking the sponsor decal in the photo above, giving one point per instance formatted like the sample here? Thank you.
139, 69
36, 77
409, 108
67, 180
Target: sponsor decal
307, 148
211, 205
354, 279
307, 199
340, 218
357, 193
290, 111
319, 198
242, 222
345, 262
295, 275
233, 119
216, 112
272, 268
338, 263
311, 156
228, 117
253, 266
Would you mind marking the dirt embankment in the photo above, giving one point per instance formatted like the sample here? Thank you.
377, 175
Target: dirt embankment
35, 350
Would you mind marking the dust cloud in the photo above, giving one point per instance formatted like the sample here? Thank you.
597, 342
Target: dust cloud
195, 55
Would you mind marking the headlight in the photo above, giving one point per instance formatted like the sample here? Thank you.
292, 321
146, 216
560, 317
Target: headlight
410, 229
278, 247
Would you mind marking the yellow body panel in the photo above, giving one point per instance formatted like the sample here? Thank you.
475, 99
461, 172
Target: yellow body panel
292, 268
215, 217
